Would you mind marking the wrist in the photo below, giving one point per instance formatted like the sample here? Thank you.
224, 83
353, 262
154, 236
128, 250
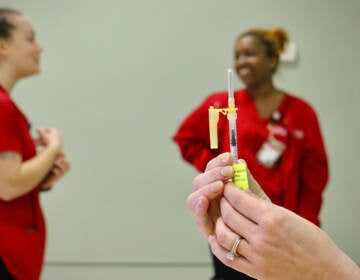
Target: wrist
341, 266
54, 147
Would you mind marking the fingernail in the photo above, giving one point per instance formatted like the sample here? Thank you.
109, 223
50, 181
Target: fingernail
225, 157
217, 186
227, 171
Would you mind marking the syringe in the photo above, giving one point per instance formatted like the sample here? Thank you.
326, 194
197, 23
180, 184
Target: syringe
240, 174
231, 116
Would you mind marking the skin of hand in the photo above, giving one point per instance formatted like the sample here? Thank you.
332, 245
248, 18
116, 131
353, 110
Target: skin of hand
49, 136
60, 168
277, 244
204, 201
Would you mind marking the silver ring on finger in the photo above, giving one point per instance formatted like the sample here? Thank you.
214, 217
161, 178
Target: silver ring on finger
233, 253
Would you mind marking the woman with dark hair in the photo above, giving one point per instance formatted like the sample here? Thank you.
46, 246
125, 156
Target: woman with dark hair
278, 133
24, 172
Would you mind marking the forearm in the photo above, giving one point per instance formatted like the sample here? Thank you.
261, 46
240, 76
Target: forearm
31, 173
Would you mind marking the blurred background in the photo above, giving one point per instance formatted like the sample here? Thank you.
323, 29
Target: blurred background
117, 78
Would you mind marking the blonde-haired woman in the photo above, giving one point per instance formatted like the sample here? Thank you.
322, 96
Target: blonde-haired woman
279, 134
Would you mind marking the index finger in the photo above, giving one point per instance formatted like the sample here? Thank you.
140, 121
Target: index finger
221, 160
207, 192
254, 186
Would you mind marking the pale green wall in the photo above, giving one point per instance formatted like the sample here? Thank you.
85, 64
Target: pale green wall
118, 77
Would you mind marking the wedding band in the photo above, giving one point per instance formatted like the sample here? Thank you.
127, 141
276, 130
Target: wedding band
233, 253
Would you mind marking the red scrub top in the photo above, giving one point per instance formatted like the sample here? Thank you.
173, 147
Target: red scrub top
22, 227
298, 178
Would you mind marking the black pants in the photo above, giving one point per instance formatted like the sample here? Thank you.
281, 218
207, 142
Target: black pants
223, 272
4, 273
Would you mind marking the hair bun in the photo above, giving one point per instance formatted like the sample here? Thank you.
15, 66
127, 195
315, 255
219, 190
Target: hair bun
279, 37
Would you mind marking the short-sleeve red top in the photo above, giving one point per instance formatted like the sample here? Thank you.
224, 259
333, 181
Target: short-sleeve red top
22, 226
298, 179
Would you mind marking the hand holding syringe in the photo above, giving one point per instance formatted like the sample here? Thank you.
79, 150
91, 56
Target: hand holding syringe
240, 173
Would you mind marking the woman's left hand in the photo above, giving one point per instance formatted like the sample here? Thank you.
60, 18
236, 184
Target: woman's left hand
204, 201
60, 167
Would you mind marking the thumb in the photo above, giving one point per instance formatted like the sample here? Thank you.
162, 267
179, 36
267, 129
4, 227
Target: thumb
254, 186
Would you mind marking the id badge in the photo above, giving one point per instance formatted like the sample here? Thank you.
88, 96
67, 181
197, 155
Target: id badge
270, 152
